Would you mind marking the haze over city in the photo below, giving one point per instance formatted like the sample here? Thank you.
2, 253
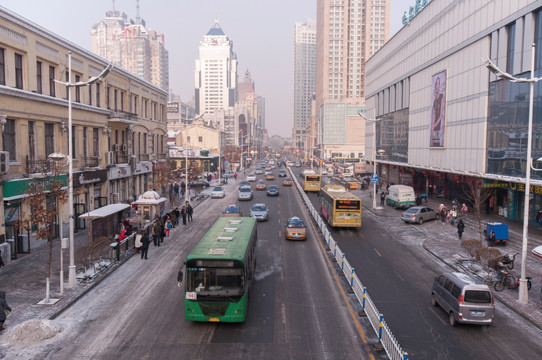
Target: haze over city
261, 31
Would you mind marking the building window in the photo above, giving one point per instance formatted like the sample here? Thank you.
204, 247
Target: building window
107, 94
49, 139
115, 95
18, 71
8, 138
90, 94
98, 94
96, 142
67, 87
31, 141
85, 142
200, 138
2, 67
188, 139
511, 47
77, 89
122, 101
52, 84
38, 77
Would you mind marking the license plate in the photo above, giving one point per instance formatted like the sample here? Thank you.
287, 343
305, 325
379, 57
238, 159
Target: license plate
477, 313
296, 236
214, 319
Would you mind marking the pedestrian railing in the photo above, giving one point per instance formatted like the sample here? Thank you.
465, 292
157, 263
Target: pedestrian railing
376, 319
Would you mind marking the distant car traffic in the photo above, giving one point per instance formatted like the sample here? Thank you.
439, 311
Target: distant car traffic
259, 212
244, 183
269, 176
419, 214
232, 210
272, 190
259, 171
282, 173
245, 193
295, 229
251, 177
218, 192
260, 185
287, 181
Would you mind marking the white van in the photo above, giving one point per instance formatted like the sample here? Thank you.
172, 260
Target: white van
401, 196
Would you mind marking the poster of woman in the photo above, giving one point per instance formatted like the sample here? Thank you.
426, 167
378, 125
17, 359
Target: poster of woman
438, 109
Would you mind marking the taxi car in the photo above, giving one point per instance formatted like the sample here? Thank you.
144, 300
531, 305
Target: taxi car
287, 181
232, 210
295, 229
260, 185
269, 176
353, 185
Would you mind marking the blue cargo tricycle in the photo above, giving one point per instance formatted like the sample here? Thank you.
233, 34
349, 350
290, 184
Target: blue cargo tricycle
496, 233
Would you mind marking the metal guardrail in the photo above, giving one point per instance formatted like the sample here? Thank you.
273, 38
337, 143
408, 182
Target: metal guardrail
381, 328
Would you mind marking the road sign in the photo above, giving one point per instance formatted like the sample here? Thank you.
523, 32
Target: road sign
374, 178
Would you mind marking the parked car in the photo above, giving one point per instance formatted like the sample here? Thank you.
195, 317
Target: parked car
232, 210
287, 181
244, 183
218, 192
401, 196
419, 214
282, 173
259, 212
251, 177
245, 193
295, 229
228, 174
464, 298
260, 185
272, 190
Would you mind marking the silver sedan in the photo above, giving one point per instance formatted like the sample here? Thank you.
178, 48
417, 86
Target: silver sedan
419, 214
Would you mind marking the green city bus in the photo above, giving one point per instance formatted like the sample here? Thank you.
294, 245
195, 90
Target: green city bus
219, 272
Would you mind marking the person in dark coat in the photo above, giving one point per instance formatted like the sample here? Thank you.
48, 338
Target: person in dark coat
418, 200
460, 228
157, 231
183, 215
189, 212
382, 197
4, 307
177, 215
145, 241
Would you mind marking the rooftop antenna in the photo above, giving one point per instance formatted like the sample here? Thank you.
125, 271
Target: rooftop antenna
138, 19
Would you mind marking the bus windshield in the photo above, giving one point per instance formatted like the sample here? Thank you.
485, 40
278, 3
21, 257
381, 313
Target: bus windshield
215, 281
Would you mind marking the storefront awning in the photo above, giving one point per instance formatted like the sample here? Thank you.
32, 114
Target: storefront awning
104, 211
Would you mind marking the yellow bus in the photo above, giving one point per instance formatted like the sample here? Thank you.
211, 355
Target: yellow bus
311, 180
339, 207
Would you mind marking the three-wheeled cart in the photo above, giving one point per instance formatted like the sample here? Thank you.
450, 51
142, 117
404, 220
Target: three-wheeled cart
500, 232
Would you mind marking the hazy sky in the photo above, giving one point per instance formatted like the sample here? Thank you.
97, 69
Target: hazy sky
261, 31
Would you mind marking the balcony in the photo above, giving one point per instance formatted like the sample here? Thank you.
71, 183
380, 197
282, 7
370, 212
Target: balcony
161, 156
38, 166
90, 162
143, 157
122, 116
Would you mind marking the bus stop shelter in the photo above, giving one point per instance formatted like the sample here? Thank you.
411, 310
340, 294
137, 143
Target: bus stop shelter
104, 222
149, 205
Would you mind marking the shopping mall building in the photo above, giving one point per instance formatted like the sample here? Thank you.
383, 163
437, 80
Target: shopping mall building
443, 118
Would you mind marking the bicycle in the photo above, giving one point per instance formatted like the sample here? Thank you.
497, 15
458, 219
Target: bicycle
510, 282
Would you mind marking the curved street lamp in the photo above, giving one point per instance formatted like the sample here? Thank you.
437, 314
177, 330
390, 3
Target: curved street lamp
523, 291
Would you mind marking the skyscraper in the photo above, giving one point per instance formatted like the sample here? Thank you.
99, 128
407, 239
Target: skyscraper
304, 77
132, 46
348, 33
216, 72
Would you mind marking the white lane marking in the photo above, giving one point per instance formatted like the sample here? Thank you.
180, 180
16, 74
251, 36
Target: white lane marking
283, 313
433, 309
399, 276
379, 254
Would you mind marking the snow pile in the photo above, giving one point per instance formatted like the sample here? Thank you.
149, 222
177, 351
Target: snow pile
31, 332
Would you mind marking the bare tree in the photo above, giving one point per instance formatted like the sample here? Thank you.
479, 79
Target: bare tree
232, 154
477, 195
40, 212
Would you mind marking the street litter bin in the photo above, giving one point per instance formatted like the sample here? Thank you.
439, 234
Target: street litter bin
501, 233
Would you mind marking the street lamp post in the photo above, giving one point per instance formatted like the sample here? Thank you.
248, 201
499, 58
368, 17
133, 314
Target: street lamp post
523, 291
380, 152
69, 85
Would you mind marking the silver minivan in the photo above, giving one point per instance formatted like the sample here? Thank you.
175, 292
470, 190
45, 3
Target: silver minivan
465, 299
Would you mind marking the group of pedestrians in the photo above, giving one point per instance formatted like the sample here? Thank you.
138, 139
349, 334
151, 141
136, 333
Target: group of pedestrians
452, 215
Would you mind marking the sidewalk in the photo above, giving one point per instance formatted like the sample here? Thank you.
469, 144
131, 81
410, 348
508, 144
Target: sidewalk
23, 279
446, 246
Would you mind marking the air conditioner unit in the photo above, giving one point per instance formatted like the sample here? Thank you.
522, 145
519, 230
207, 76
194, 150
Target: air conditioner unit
133, 162
116, 147
124, 147
4, 162
109, 158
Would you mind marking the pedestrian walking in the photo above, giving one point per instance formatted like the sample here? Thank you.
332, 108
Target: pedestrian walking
430, 192
137, 242
453, 216
382, 197
235, 175
443, 214
173, 218
189, 212
4, 309
464, 209
1, 258
145, 241
183, 214
177, 215
418, 200
168, 226
460, 228
156, 231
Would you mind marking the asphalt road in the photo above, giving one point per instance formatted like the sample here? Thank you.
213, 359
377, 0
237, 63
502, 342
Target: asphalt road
390, 261
296, 311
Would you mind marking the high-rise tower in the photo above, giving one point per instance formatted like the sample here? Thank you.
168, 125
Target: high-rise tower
216, 72
304, 77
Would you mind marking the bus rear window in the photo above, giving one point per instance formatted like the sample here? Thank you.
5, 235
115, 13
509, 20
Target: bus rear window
347, 205
313, 178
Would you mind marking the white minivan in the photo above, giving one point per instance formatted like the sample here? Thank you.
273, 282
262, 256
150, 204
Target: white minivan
401, 196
